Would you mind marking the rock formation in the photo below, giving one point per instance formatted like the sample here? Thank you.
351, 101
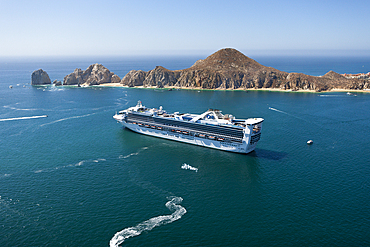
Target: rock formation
94, 75
57, 83
40, 77
230, 69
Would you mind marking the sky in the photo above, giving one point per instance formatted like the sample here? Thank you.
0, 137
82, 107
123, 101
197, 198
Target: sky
177, 27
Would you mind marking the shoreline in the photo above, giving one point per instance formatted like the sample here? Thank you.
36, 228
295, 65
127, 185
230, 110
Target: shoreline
119, 85
248, 89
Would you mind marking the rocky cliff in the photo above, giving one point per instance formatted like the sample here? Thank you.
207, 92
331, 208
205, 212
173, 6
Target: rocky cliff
230, 69
40, 77
94, 75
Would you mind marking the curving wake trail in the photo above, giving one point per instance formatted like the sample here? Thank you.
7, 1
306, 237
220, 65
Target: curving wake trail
172, 205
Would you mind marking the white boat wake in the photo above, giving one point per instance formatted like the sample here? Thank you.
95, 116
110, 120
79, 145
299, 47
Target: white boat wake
64, 119
172, 205
80, 163
277, 110
21, 118
132, 154
273, 109
189, 167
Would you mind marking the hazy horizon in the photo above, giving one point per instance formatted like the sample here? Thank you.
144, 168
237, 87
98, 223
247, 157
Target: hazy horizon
147, 28
203, 54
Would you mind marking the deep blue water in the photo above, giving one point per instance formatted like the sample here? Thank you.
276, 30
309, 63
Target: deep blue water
76, 178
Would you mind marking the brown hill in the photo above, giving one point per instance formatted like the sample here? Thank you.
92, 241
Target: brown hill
230, 69
227, 59
225, 69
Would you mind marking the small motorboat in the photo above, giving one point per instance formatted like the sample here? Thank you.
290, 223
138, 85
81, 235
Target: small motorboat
309, 142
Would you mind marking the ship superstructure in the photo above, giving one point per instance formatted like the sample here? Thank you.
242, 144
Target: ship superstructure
210, 129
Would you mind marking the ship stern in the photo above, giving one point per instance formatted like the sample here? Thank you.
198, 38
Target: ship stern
252, 132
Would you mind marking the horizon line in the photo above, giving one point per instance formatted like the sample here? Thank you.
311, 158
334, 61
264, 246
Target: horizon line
208, 52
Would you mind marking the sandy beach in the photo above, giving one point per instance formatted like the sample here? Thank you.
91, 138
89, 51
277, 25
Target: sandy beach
249, 89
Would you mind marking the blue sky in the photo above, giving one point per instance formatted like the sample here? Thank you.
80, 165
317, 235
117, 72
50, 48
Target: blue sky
143, 27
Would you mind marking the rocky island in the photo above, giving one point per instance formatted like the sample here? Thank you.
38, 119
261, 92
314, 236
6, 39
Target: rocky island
40, 77
95, 74
226, 69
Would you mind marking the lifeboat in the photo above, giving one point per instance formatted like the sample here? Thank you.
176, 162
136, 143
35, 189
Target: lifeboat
211, 137
201, 135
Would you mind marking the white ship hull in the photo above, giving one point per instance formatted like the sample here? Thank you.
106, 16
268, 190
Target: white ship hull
231, 147
224, 137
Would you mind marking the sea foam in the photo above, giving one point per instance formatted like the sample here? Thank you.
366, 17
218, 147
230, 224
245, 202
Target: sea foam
189, 167
172, 205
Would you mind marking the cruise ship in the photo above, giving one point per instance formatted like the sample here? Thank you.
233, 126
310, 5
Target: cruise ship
211, 129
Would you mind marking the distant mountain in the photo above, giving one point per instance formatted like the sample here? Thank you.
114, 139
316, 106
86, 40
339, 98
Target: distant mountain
230, 69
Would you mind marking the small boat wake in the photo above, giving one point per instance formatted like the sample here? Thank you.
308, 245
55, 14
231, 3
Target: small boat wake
278, 110
286, 113
21, 118
172, 205
329, 95
68, 118
80, 163
189, 167
132, 154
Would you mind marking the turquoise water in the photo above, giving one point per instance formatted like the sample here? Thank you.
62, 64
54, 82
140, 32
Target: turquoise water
77, 178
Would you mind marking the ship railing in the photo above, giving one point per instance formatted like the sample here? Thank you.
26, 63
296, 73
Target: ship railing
194, 127
189, 131
255, 138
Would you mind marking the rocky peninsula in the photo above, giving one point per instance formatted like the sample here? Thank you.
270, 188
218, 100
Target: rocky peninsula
226, 69
230, 69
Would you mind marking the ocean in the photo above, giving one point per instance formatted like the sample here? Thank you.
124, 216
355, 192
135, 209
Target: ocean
71, 176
